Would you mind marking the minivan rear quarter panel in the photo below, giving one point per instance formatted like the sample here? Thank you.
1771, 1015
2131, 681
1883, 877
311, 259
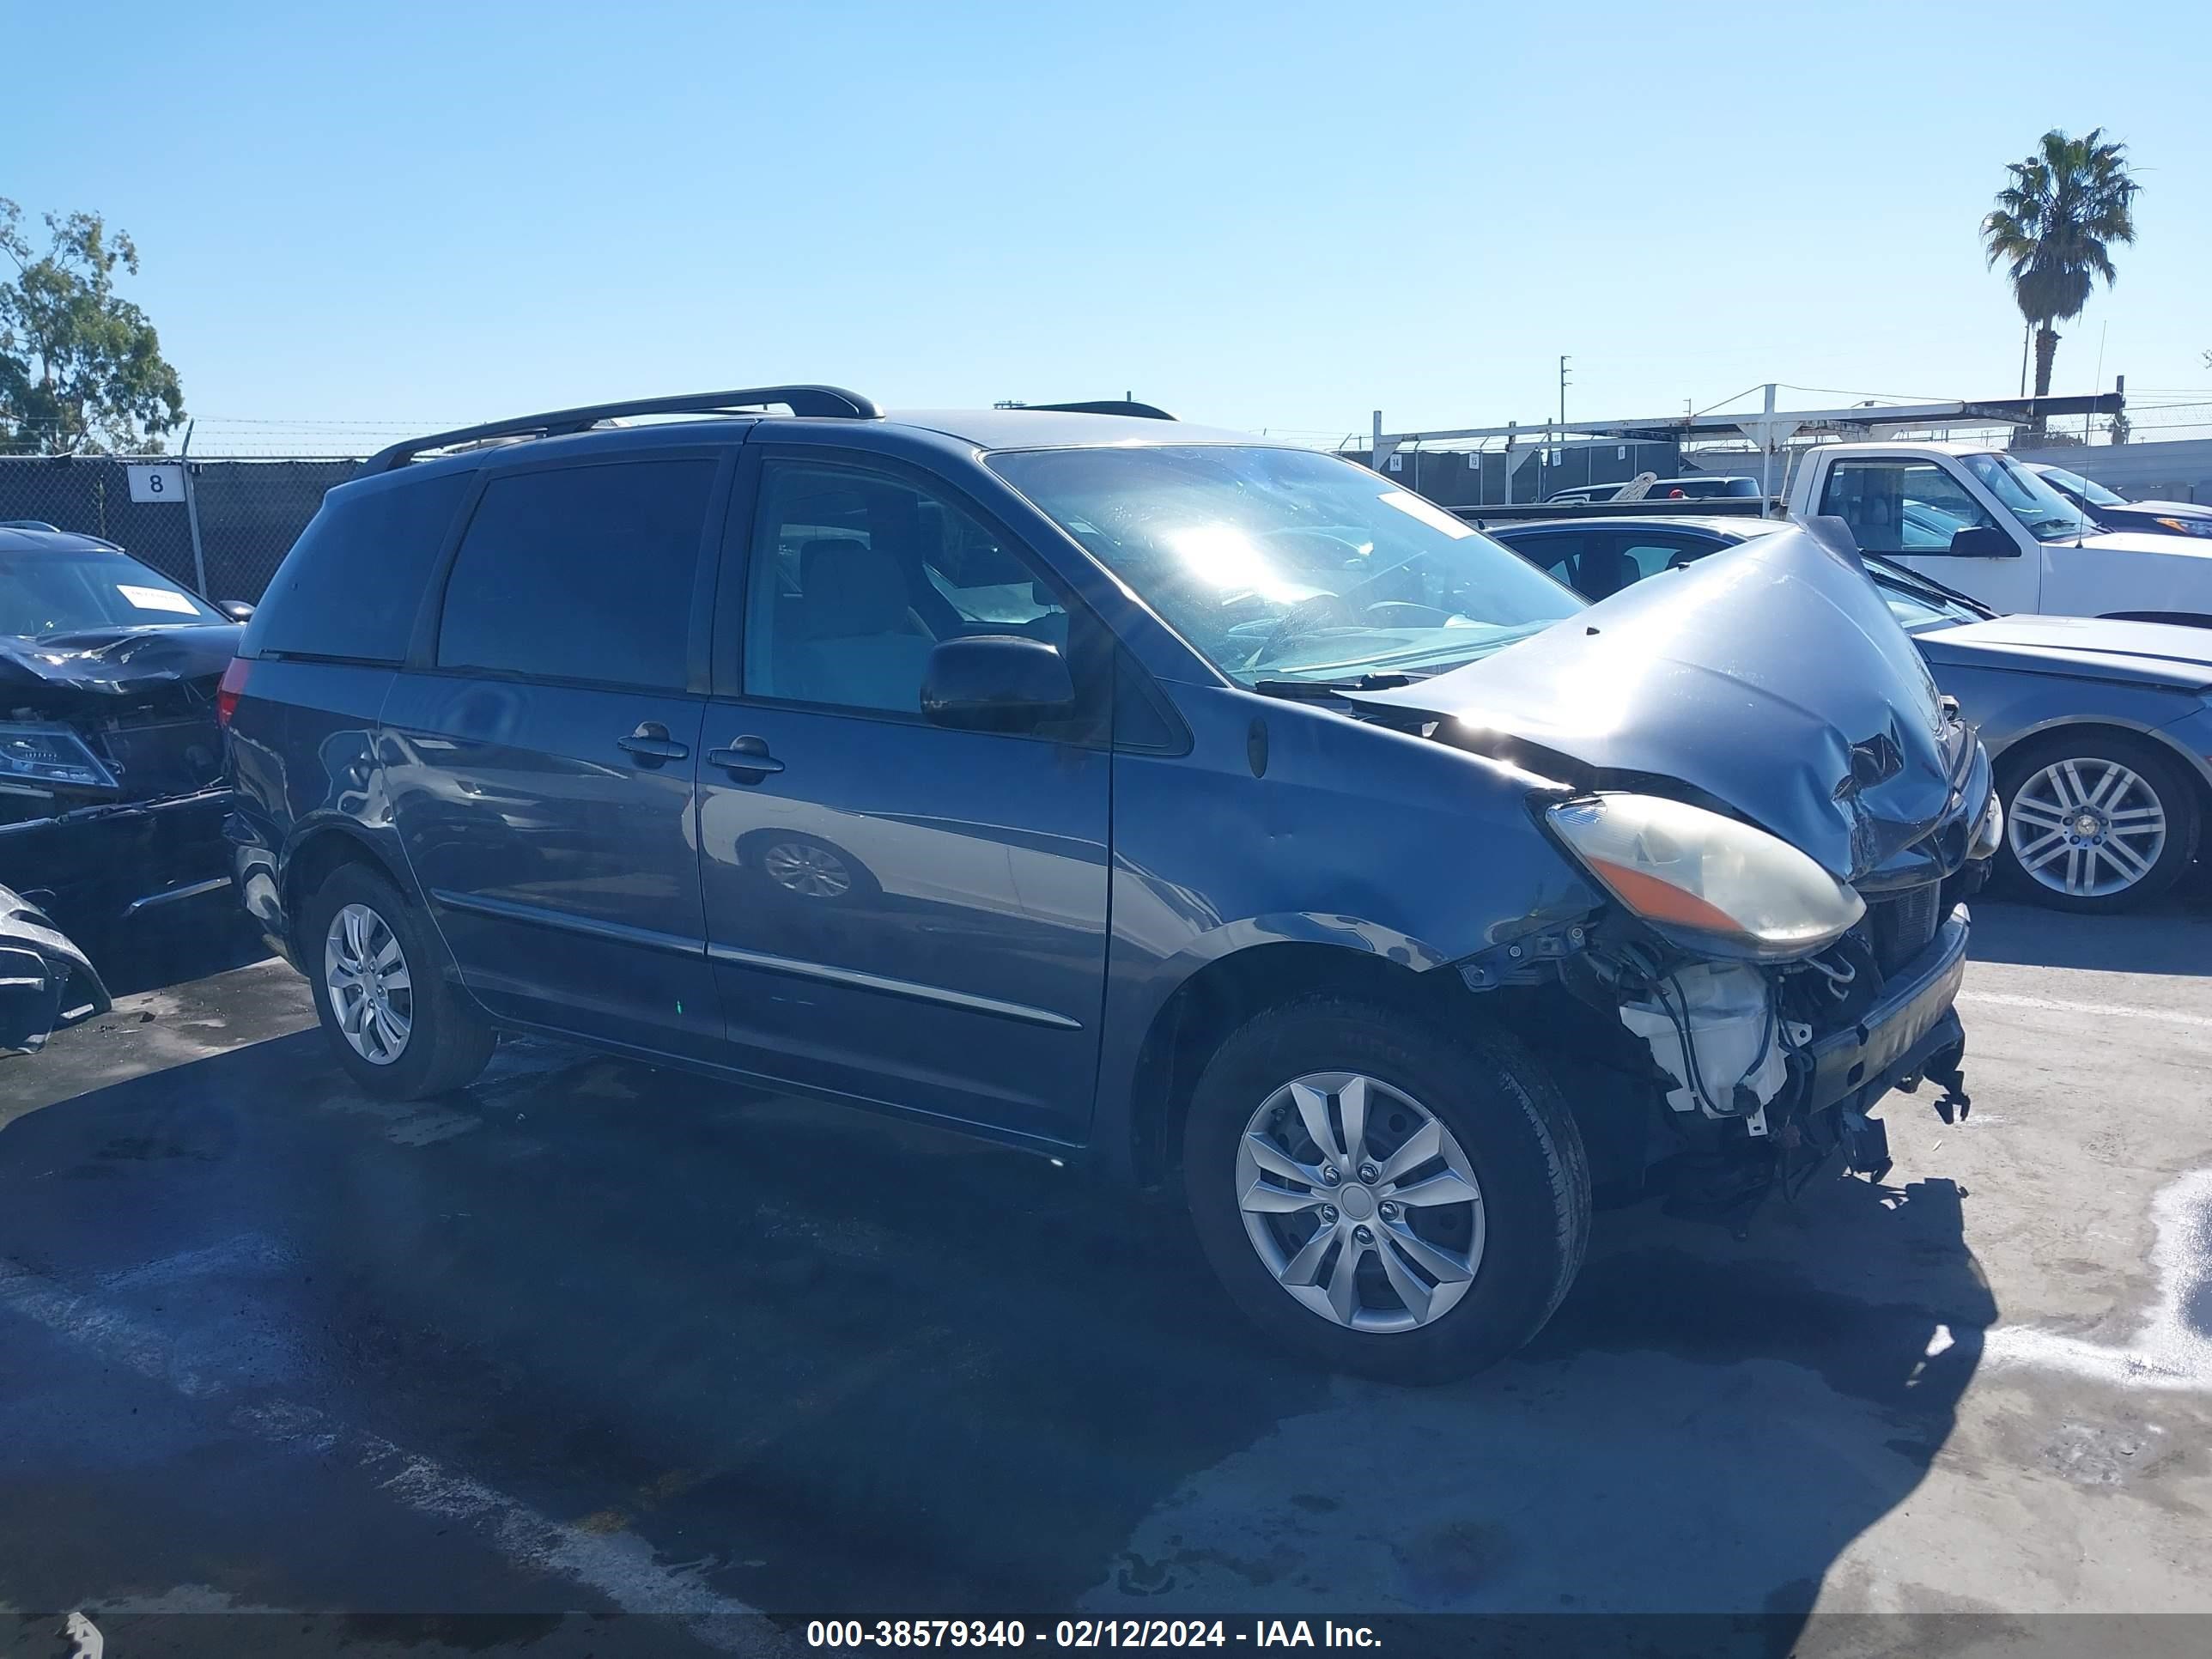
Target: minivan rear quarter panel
303, 761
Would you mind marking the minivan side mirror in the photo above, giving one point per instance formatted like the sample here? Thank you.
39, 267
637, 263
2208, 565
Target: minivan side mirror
1983, 541
996, 683
238, 611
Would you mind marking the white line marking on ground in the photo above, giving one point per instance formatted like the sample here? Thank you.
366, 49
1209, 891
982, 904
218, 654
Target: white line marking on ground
620, 1567
2057, 1005
2169, 1354
80, 1629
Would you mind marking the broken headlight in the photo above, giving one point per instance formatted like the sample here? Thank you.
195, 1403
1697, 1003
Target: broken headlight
1708, 883
32, 756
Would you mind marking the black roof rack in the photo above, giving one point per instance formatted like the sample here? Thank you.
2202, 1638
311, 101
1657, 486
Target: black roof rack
1105, 406
829, 400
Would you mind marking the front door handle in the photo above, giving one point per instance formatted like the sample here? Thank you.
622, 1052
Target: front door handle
748, 757
652, 745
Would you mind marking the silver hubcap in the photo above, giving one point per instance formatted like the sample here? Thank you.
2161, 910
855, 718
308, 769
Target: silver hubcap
810, 871
2088, 827
1359, 1202
365, 972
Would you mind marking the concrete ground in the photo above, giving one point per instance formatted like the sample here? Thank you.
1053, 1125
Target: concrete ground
594, 1339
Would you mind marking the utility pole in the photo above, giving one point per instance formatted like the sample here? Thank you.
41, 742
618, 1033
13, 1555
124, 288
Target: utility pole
1563, 393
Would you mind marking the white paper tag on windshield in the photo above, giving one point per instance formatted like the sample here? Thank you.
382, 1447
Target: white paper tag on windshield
1427, 512
157, 599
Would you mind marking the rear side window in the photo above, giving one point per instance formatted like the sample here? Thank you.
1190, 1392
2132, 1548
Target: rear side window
353, 582
1555, 555
583, 573
1651, 556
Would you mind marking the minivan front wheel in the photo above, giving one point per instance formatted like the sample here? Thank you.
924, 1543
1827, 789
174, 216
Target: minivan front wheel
398, 1027
1389, 1198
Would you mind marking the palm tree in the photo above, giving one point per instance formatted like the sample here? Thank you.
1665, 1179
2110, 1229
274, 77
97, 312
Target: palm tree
2055, 226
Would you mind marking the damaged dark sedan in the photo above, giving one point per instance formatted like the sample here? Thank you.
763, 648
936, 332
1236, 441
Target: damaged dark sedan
111, 793
1214, 814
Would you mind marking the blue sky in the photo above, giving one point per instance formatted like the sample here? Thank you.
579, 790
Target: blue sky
1279, 216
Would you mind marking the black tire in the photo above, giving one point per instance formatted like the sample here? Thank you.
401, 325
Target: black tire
2179, 795
1509, 1119
448, 1042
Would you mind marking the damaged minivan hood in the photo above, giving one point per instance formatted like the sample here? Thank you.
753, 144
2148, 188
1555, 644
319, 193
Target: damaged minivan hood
1772, 679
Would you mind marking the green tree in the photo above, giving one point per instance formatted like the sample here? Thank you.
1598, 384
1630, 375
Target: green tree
2054, 227
80, 368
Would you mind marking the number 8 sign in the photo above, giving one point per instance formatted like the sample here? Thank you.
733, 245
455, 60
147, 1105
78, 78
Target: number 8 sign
157, 483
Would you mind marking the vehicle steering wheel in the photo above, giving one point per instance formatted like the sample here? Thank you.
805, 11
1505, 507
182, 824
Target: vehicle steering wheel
1322, 610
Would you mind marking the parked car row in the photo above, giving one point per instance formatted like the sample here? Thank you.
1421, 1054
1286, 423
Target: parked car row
1980, 521
1210, 813
2110, 510
1695, 487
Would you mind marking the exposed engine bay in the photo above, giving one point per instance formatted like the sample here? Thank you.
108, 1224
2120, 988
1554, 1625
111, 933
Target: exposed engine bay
1756, 1074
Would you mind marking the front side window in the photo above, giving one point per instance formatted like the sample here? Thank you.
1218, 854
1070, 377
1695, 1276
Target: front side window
1901, 507
2047, 515
581, 574
70, 591
854, 578
1289, 564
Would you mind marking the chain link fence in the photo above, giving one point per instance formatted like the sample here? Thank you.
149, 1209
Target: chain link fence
219, 527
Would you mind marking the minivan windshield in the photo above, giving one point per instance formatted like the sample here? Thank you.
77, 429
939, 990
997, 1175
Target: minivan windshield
73, 590
2046, 515
1289, 564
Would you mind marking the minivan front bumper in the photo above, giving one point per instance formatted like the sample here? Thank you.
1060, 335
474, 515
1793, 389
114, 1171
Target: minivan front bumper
1913, 1023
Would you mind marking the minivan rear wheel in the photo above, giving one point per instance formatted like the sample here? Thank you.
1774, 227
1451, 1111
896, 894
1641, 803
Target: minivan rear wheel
400, 1029
1388, 1198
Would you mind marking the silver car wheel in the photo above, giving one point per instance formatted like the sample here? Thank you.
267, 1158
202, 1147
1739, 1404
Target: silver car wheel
1359, 1202
809, 870
2087, 827
364, 973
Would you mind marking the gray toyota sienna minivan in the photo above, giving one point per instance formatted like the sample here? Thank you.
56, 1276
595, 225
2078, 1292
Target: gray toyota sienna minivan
1208, 812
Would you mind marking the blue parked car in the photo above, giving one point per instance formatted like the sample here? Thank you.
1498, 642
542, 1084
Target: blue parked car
1208, 812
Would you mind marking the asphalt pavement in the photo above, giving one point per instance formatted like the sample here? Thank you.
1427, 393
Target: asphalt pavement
597, 1357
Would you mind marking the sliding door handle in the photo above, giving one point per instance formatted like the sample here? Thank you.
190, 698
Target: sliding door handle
748, 757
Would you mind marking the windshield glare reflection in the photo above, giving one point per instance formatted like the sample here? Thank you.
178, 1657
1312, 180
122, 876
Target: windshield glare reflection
2048, 515
1278, 563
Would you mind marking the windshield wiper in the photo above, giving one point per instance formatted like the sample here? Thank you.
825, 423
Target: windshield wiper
1330, 688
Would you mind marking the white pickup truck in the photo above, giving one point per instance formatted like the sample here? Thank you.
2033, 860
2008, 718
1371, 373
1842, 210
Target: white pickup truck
1977, 521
